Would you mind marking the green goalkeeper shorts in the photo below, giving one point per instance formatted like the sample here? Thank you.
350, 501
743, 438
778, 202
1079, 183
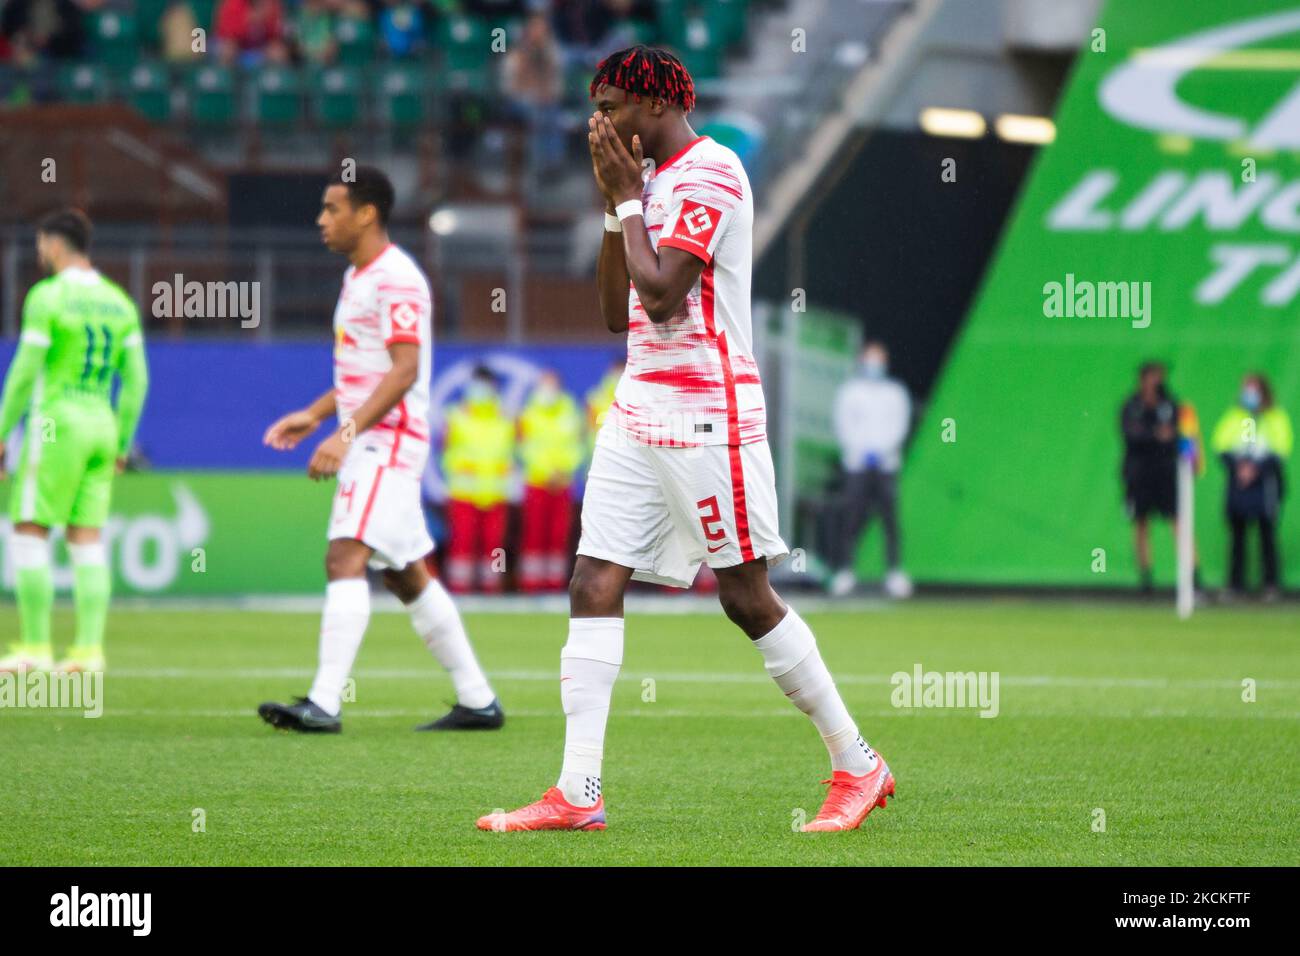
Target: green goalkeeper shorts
65, 475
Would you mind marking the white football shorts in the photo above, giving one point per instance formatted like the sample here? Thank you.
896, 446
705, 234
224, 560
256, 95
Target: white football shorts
379, 505
663, 511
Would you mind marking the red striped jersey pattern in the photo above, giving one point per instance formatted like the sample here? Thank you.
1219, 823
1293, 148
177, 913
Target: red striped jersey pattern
692, 380
385, 301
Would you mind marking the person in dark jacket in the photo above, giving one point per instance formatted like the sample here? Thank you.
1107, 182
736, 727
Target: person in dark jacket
43, 29
1149, 422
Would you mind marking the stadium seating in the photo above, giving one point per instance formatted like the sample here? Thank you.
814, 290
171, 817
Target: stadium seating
727, 19
337, 96
113, 37
400, 94
149, 14
364, 86
463, 44
205, 13
212, 95
83, 83
356, 39
700, 48
278, 97
148, 89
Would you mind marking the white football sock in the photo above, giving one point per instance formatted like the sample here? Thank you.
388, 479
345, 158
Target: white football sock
91, 553
342, 626
29, 550
436, 620
792, 660
589, 666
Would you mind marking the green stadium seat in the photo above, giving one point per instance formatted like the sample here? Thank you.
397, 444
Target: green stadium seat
84, 83
727, 20
743, 138
465, 46
149, 14
679, 22
643, 31
356, 39
400, 92
337, 96
148, 89
577, 77
113, 38
212, 95
670, 16
700, 51
278, 100
205, 14
668, 12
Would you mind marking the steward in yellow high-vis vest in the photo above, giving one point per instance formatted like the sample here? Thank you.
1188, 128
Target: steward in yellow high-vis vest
551, 450
599, 398
1254, 439
477, 460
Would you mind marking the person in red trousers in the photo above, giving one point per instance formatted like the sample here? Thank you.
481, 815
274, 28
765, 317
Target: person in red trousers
477, 458
550, 449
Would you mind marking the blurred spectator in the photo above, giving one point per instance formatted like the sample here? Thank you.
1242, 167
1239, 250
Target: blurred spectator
478, 452
599, 398
1149, 422
313, 31
43, 29
1254, 440
498, 9
534, 83
176, 30
251, 32
872, 415
550, 448
591, 28
401, 26
355, 18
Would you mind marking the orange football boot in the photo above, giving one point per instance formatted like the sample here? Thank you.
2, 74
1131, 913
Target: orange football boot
851, 798
552, 812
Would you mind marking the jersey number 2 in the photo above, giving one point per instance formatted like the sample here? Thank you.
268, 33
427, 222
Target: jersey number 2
711, 516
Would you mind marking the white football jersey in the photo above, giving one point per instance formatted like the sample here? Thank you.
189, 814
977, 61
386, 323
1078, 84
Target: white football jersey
384, 302
692, 380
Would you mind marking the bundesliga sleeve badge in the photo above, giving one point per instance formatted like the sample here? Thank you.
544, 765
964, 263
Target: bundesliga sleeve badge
696, 225
404, 318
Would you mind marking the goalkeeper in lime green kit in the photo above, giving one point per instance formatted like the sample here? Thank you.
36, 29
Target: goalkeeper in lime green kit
79, 331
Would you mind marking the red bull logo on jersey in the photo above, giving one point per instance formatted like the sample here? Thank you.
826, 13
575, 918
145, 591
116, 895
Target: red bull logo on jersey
342, 340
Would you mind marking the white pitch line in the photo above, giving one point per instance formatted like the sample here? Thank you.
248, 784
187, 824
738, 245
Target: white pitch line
500, 604
687, 677
653, 711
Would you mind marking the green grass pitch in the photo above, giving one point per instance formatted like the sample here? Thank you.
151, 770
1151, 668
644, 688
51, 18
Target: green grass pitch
1118, 709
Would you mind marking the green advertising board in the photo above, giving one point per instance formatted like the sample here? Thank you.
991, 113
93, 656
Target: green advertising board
1162, 223
209, 533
